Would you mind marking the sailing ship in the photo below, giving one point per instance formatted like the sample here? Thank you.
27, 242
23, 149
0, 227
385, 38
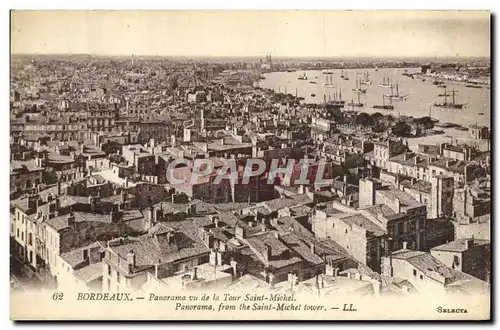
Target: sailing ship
337, 99
343, 76
386, 83
396, 96
328, 82
357, 105
448, 105
302, 77
358, 88
473, 86
366, 79
384, 106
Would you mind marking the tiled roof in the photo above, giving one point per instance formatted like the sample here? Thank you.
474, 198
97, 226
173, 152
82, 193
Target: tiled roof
365, 223
459, 245
89, 273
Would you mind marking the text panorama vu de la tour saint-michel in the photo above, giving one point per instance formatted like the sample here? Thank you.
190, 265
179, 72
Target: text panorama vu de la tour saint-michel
221, 302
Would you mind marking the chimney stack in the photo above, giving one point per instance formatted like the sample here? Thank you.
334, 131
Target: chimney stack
195, 274
267, 253
405, 245
131, 261
313, 248
71, 219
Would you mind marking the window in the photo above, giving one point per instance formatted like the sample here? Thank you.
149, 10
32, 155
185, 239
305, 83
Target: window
414, 272
421, 277
30, 236
333, 225
22, 236
109, 270
456, 260
346, 231
401, 228
12, 228
109, 285
118, 277
85, 254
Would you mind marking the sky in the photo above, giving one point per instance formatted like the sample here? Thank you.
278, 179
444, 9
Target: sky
253, 33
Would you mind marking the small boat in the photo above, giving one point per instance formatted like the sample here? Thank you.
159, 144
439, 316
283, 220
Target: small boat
328, 83
312, 82
313, 95
356, 104
441, 86
384, 106
461, 128
366, 80
302, 77
437, 82
473, 86
386, 83
376, 68
358, 88
395, 96
480, 113
327, 72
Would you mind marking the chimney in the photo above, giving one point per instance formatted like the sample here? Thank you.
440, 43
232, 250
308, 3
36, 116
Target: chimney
195, 274
277, 235
416, 159
405, 245
131, 261
301, 189
222, 141
170, 237
151, 215
345, 179
313, 248
267, 253
71, 219
469, 243
447, 163
405, 156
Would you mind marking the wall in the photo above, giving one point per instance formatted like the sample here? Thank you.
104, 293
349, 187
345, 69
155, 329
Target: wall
404, 269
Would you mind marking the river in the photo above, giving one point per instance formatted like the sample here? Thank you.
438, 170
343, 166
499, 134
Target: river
418, 103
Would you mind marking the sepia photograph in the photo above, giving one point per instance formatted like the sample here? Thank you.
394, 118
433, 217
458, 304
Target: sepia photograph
250, 165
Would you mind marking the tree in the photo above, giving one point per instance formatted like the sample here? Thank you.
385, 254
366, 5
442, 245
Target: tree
426, 122
377, 117
363, 119
334, 112
479, 173
401, 129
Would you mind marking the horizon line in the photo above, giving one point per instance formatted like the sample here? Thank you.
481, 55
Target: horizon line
254, 56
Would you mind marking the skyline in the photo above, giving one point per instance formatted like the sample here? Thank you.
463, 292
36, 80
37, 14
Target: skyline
288, 34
